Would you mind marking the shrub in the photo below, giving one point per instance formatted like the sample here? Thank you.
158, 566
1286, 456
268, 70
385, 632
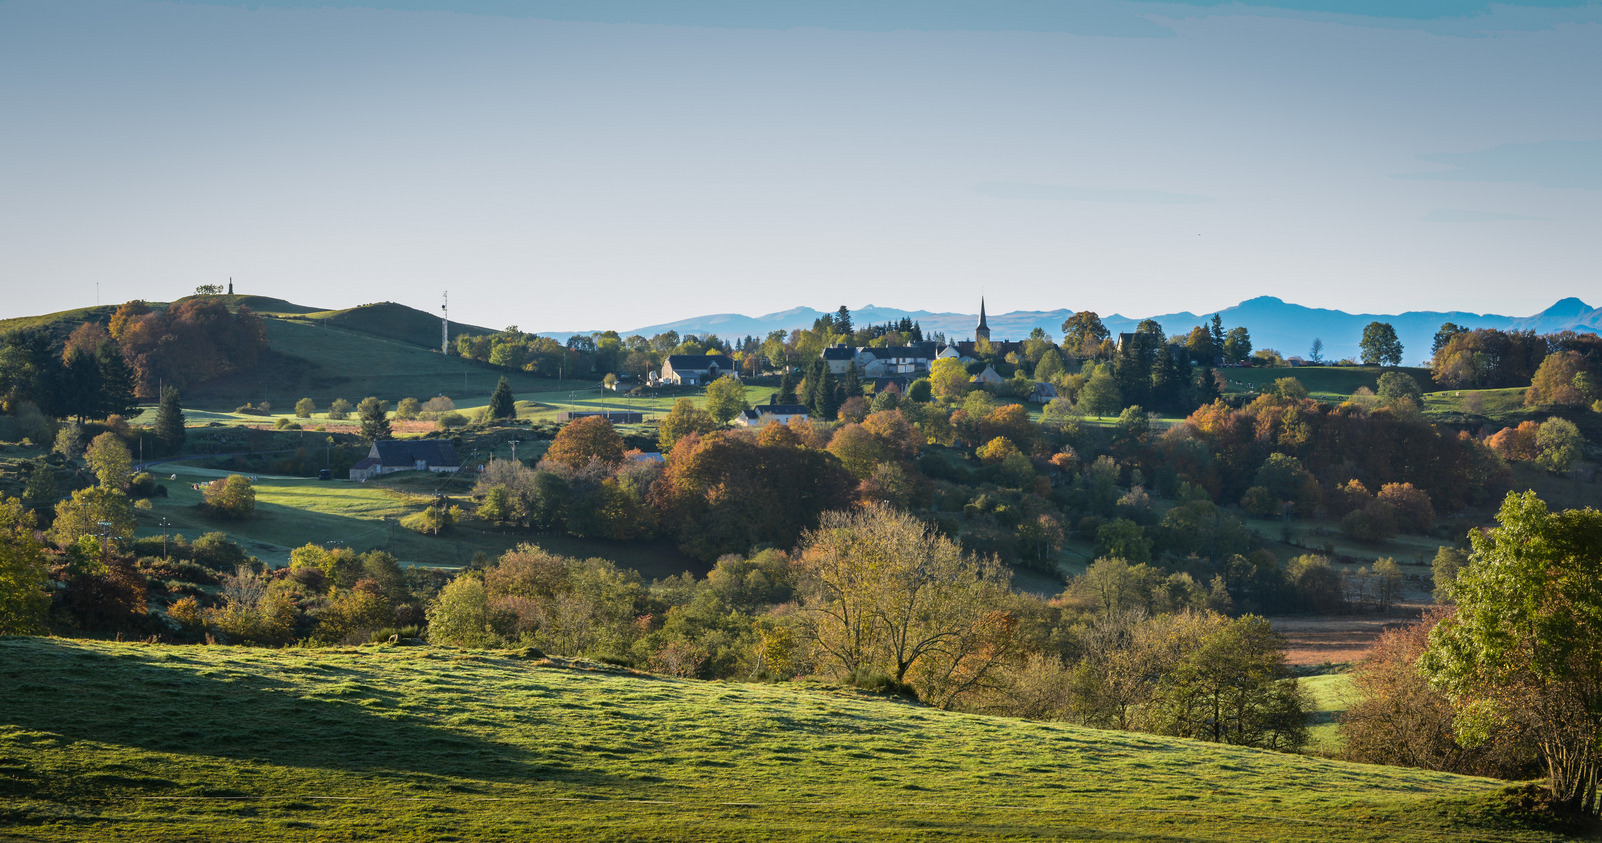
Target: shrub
408, 409
433, 521
340, 409
231, 497
451, 420
304, 408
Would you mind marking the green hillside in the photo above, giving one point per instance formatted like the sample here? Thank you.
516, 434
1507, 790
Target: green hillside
310, 359
62, 322
1324, 382
143, 742
394, 322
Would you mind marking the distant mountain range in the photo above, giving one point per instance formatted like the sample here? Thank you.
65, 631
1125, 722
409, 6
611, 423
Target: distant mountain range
1288, 328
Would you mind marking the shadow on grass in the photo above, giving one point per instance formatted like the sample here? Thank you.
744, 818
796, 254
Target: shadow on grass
161, 700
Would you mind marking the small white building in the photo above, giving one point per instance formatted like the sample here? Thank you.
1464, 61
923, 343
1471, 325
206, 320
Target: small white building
764, 414
697, 369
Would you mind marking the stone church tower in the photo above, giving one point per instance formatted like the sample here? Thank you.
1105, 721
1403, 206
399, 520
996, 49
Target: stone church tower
983, 331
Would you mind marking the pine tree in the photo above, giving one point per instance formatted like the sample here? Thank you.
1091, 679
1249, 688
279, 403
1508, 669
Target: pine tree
501, 405
170, 421
375, 419
828, 399
786, 394
850, 385
116, 381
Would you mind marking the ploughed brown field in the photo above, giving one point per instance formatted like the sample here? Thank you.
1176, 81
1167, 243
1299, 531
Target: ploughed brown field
1338, 639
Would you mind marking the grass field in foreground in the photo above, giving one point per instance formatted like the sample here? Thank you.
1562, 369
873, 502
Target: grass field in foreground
143, 742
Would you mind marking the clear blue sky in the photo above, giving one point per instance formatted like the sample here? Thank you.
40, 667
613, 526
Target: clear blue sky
584, 165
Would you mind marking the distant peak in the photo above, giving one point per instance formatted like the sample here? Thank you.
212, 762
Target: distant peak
1571, 304
1264, 300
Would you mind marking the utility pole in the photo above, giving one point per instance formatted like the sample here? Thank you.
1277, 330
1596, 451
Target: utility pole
445, 323
164, 525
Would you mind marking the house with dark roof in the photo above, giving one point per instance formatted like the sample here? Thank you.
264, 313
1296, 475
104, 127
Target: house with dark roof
696, 369
388, 456
838, 357
897, 360
763, 414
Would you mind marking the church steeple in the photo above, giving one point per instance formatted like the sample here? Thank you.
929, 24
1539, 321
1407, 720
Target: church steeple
983, 331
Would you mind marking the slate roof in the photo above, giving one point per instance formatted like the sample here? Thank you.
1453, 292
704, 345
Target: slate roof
839, 352
919, 351
399, 453
781, 409
699, 362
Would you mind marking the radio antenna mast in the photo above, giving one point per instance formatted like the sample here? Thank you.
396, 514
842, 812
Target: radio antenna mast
445, 324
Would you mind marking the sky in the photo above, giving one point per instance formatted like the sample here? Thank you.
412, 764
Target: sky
570, 165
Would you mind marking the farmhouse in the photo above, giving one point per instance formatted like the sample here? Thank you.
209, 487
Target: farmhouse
391, 455
838, 357
696, 369
765, 413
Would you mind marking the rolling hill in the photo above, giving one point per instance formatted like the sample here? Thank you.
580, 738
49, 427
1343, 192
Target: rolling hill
148, 742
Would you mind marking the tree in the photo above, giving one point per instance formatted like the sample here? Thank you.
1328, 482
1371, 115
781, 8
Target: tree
374, 415
340, 409
725, 398
949, 379
1099, 396
1560, 381
170, 421
1380, 346
1232, 686
786, 393
96, 511
1524, 643
1448, 562
1396, 387
887, 593
231, 497
582, 441
461, 616
1083, 334
408, 409
1558, 443
1050, 366
23, 576
684, 419
304, 408
1316, 353
1448, 331
501, 405
109, 459
1237, 345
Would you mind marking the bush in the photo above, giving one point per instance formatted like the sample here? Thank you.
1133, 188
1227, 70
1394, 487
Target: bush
304, 408
875, 682
231, 497
340, 409
451, 419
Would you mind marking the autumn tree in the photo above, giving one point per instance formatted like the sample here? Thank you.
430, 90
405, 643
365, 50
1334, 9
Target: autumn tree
1558, 381
96, 511
949, 379
684, 419
725, 398
584, 440
1083, 334
304, 408
1524, 644
887, 593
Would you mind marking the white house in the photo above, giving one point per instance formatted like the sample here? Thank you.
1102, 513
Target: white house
763, 414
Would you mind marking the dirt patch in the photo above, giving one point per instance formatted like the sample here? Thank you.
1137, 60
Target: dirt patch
1337, 639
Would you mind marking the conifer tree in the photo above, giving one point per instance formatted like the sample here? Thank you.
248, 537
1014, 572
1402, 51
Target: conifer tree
501, 405
170, 421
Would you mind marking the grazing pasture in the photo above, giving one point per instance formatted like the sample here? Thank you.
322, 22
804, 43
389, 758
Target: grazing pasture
143, 742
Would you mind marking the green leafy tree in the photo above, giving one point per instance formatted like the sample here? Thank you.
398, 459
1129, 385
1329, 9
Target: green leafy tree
1050, 366
408, 409
95, 511
1397, 387
725, 398
1524, 645
231, 497
786, 393
1380, 346
1558, 444
1448, 563
1100, 395
461, 616
501, 405
1237, 345
170, 421
304, 408
23, 577
374, 415
340, 409
109, 459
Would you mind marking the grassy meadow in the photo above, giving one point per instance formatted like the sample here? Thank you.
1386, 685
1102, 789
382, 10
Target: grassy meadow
101, 740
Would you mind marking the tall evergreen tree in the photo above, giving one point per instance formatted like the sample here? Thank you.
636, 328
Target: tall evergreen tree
851, 384
501, 405
170, 421
786, 393
116, 381
1216, 332
828, 397
375, 419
